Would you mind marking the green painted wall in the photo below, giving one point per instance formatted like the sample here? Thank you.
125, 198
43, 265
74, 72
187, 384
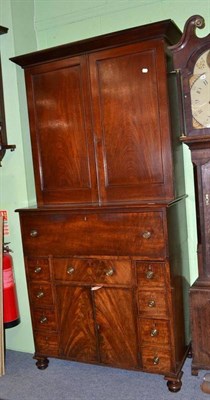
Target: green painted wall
38, 24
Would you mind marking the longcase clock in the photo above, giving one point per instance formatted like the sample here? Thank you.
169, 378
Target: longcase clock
192, 63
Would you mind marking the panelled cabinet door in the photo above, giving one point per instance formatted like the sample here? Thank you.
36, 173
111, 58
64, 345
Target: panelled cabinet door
77, 326
116, 327
130, 113
97, 324
61, 133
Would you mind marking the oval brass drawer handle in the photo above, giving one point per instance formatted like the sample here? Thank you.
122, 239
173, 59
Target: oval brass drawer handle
154, 332
40, 295
146, 235
37, 270
34, 233
156, 360
109, 272
43, 320
151, 303
70, 270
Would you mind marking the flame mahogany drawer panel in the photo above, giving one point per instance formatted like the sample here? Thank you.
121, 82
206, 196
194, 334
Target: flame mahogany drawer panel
41, 294
156, 359
117, 233
44, 319
153, 303
154, 332
46, 343
93, 270
38, 269
150, 274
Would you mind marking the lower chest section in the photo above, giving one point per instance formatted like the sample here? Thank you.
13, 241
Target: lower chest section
101, 288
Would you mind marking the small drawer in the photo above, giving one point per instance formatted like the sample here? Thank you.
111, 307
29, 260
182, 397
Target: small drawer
44, 319
156, 359
154, 331
46, 344
150, 274
152, 303
41, 294
38, 268
91, 270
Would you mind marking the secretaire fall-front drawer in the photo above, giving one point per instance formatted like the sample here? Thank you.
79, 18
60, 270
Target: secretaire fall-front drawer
66, 233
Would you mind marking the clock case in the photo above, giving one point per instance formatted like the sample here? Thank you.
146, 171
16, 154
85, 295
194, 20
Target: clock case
185, 55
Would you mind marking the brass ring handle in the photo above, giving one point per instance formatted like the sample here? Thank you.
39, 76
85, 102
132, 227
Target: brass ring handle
70, 270
151, 303
33, 233
146, 235
149, 274
156, 360
109, 272
43, 320
154, 332
39, 295
37, 270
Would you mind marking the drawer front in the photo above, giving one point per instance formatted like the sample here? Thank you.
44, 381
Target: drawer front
41, 294
152, 303
156, 359
46, 344
38, 269
150, 274
154, 331
44, 319
64, 234
93, 270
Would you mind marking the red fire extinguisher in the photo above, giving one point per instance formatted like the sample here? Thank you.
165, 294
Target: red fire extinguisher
11, 315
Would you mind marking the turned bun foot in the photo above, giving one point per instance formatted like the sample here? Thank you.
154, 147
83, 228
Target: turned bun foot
174, 386
42, 363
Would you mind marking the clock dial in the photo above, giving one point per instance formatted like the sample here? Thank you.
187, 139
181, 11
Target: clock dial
200, 92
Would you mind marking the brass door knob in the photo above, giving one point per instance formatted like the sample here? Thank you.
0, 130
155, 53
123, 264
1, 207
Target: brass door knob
109, 272
40, 295
151, 303
43, 320
156, 360
154, 332
34, 233
146, 235
37, 270
149, 274
70, 270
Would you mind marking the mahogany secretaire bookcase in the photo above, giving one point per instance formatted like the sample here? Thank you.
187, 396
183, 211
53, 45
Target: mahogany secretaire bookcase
105, 246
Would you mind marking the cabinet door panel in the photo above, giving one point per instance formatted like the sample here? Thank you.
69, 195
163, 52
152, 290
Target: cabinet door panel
77, 328
61, 133
130, 116
116, 327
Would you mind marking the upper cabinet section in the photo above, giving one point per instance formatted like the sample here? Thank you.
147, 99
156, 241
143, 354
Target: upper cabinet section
99, 118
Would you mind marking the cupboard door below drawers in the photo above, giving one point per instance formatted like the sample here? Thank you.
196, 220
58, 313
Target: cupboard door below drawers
76, 323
